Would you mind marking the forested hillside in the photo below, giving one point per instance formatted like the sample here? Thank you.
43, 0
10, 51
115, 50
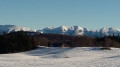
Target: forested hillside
16, 42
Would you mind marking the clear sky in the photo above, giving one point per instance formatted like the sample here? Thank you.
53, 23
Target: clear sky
37, 14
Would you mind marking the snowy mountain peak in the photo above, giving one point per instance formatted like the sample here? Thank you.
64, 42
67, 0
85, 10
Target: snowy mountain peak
104, 30
49, 28
78, 28
63, 28
68, 30
114, 29
11, 28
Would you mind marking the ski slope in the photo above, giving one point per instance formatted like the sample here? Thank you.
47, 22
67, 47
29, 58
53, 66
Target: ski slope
63, 57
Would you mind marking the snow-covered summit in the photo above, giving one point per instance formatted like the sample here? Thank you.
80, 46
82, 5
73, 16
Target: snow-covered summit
68, 30
11, 28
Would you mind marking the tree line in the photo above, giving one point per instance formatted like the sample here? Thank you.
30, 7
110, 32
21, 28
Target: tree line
22, 41
78, 41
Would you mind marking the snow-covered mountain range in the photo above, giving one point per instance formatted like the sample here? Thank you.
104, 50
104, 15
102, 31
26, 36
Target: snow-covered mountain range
77, 30
65, 30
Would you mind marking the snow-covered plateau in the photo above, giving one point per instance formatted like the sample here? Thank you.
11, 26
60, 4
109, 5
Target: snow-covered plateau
63, 57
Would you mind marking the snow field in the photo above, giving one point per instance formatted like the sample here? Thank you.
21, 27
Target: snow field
63, 57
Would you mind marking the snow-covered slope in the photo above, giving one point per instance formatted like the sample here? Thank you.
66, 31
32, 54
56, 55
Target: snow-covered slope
77, 30
11, 28
63, 57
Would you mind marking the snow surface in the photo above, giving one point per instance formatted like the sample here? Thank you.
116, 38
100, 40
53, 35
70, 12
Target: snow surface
63, 57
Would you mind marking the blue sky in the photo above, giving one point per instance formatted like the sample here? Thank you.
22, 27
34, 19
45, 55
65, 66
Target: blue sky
37, 14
